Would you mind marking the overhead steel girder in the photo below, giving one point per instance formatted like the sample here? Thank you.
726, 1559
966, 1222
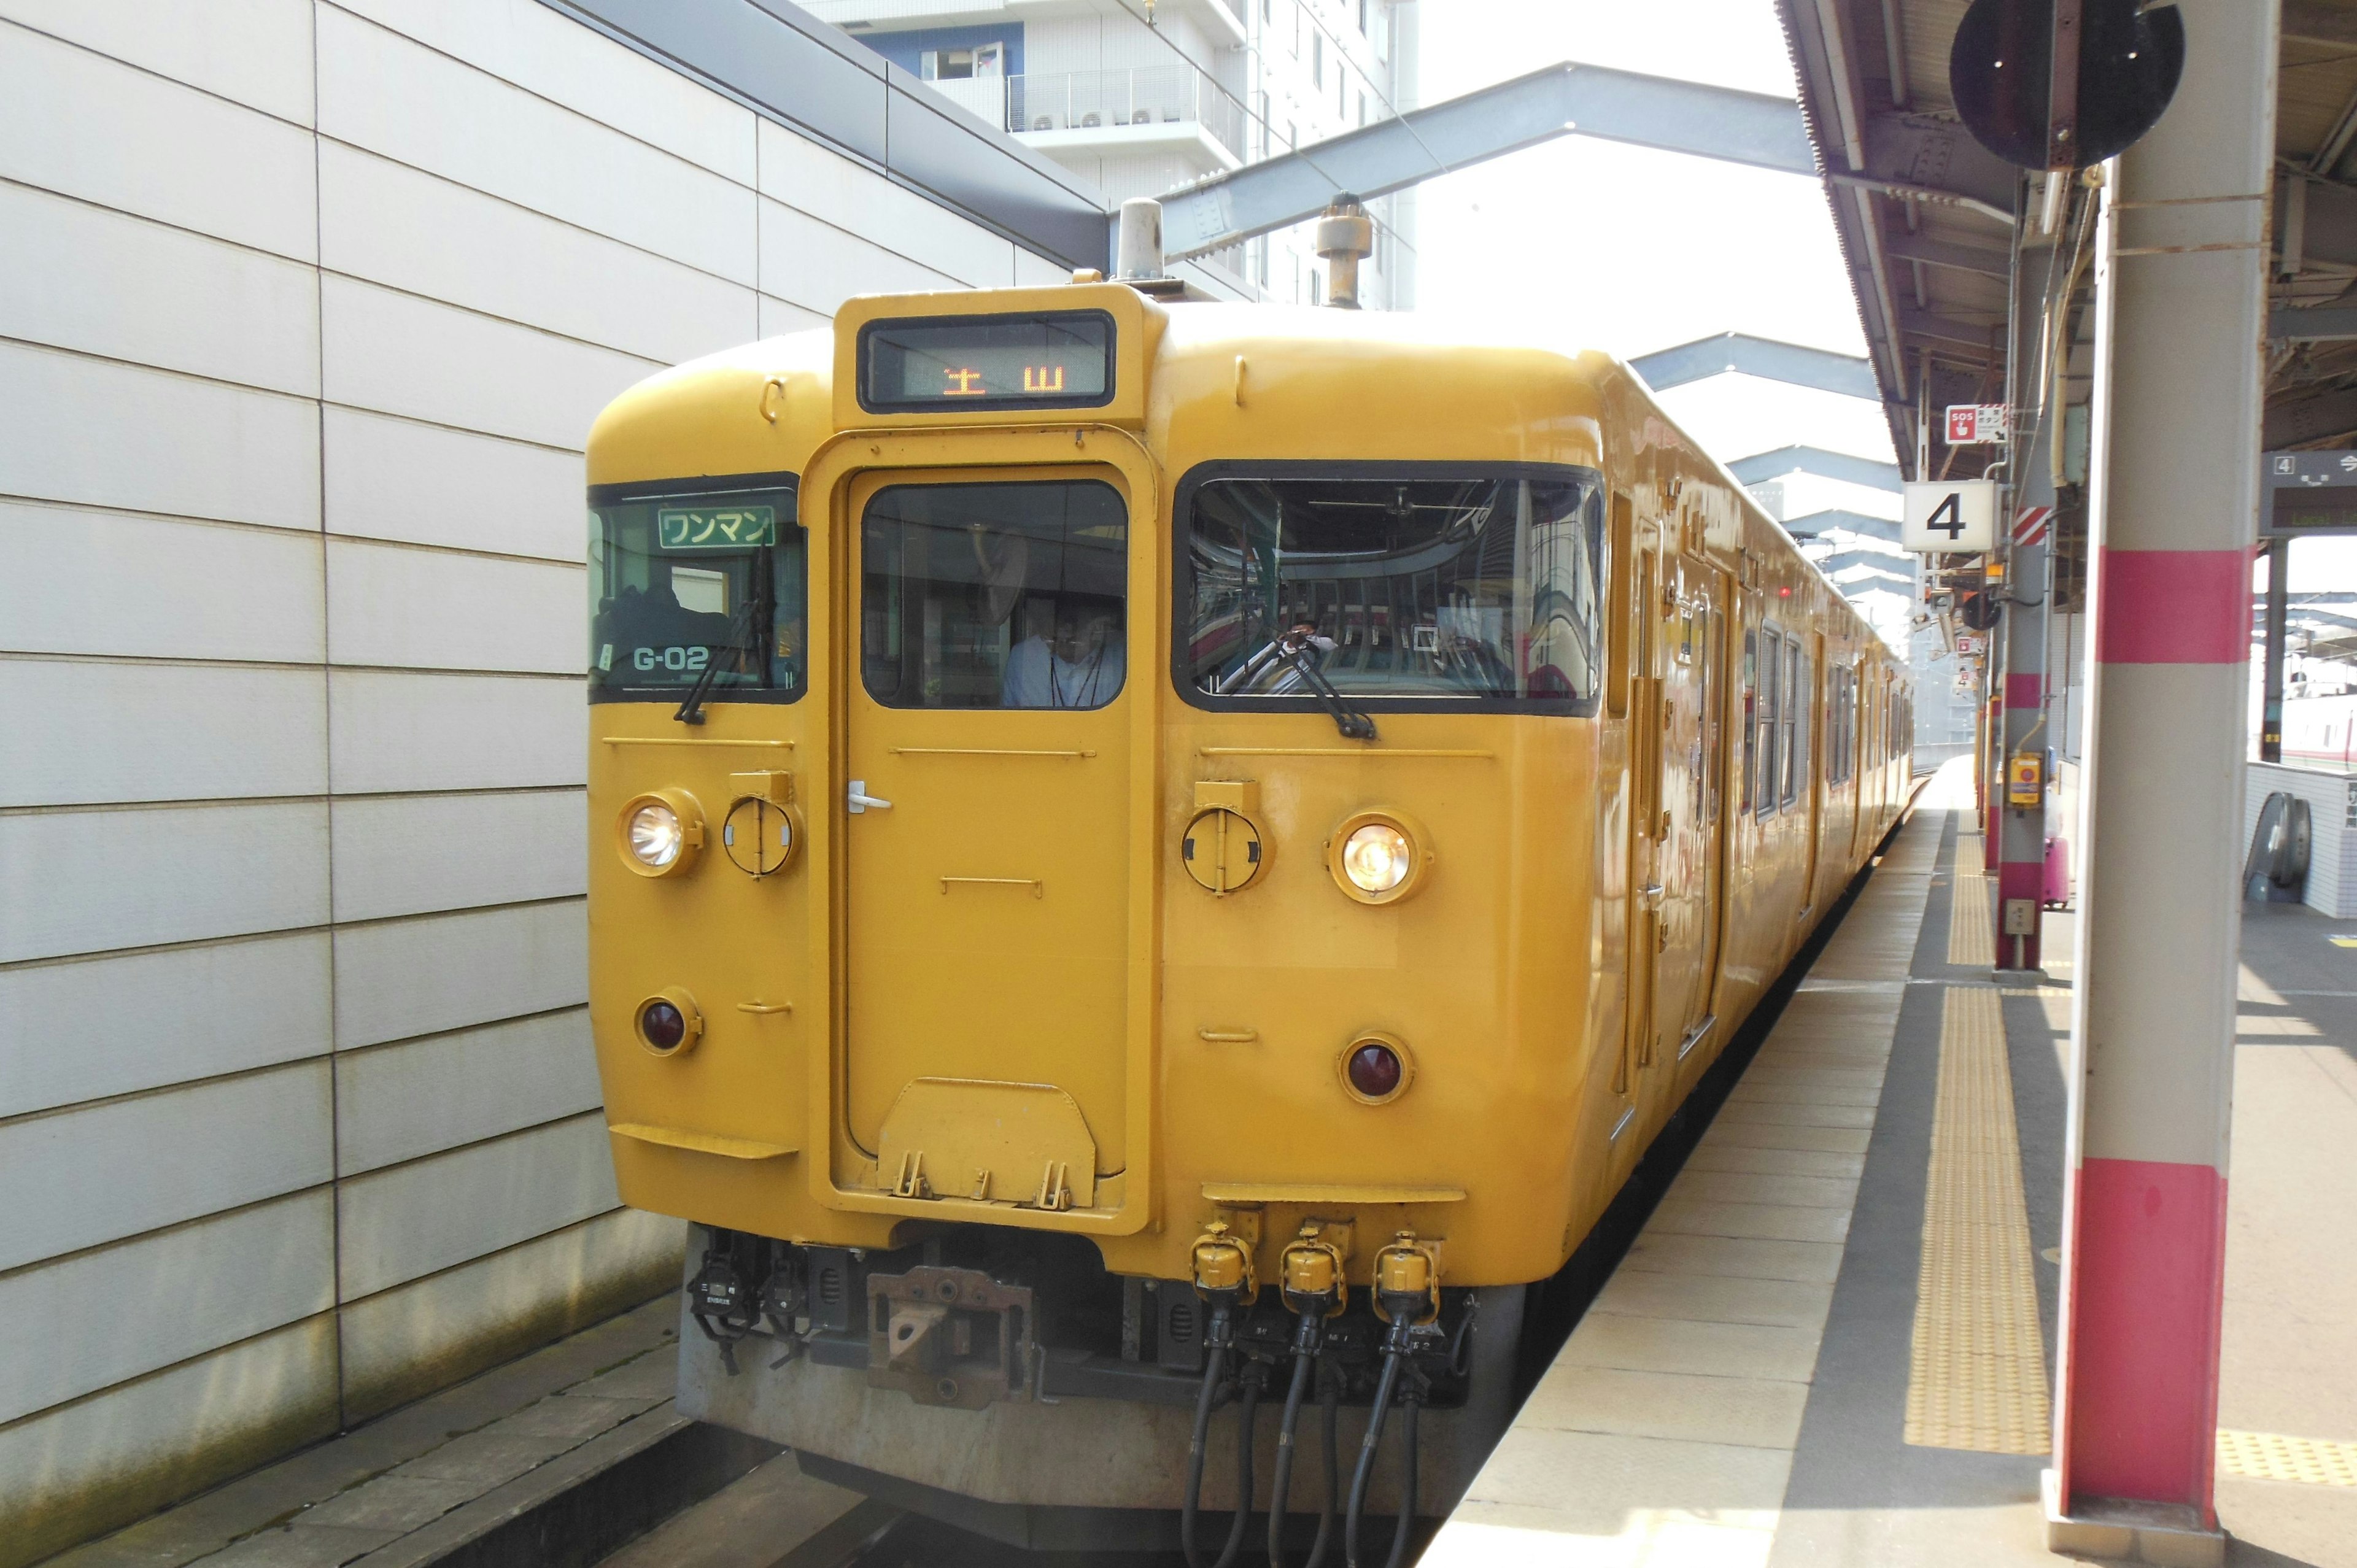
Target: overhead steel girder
2298, 421
1847, 522
1562, 100
1935, 161
2317, 324
1764, 465
1763, 357
1905, 247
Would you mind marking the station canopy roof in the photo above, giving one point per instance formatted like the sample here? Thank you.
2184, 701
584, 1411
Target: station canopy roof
1923, 211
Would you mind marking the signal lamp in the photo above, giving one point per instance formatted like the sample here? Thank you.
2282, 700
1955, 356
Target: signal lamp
1378, 857
660, 832
669, 1023
1376, 1069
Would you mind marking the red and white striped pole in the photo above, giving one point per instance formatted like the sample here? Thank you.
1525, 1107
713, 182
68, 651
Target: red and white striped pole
2181, 302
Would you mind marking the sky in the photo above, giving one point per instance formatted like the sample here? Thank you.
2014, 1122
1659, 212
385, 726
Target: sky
1591, 243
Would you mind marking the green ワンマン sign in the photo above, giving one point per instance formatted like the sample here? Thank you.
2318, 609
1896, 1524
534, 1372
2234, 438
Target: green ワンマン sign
715, 527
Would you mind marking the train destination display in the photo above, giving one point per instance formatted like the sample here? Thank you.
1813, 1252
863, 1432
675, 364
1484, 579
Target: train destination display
1063, 360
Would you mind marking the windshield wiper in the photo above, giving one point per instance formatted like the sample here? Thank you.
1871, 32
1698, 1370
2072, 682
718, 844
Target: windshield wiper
691, 711
1354, 724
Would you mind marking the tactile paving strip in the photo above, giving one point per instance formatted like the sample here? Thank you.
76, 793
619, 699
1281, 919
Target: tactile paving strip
1976, 1379
1971, 942
2271, 1456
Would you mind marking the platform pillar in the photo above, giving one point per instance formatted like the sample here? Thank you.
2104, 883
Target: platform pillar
2018, 834
2181, 310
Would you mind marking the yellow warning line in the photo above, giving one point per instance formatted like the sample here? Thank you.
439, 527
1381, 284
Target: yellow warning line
1971, 942
1976, 1379
2271, 1456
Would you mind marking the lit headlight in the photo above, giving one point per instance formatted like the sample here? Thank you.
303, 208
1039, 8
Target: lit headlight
1377, 858
655, 835
1380, 856
659, 832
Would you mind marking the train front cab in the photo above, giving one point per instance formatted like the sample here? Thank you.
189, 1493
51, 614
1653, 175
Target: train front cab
1041, 1006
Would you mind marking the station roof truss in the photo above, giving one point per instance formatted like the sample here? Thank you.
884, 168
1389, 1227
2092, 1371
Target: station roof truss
1927, 220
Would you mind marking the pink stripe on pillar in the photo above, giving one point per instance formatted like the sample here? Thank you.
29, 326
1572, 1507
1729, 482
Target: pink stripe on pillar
2174, 607
2024, 691
2141, 1413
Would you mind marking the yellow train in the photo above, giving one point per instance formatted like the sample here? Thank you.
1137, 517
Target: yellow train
1152, 855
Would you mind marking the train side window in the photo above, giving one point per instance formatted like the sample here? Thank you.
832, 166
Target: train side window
1772, 684
1750, 717
995, 595
1618, 567
1794, 712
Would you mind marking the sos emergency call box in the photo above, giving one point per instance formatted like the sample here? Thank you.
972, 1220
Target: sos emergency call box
2025, 780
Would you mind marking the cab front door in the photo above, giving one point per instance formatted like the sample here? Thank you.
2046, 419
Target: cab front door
985, 880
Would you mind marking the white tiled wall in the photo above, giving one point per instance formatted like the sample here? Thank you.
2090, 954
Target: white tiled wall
305, 307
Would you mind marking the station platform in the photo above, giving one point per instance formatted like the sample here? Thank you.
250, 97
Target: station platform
1832, 1343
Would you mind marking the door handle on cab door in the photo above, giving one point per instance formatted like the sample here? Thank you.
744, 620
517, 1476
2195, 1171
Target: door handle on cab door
1651, 893
859, 801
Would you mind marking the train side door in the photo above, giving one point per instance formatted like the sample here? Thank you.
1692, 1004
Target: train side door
1692, 725
1646, 849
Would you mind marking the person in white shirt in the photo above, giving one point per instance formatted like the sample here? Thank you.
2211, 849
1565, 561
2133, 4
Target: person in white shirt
1081, 666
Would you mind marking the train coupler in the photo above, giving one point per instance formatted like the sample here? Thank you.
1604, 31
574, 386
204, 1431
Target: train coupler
950, 1336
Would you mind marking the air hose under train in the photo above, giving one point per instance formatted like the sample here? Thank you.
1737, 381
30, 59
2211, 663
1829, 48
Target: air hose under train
1311, 1280
1224, 1278
1407, 1296
1214, 1368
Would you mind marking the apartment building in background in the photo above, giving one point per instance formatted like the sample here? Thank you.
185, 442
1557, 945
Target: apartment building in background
1140, 97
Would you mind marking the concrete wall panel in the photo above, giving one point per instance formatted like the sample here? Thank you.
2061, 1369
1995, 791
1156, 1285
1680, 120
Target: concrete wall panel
397, 730
451, 971
526, 43
77, 277
417, 854
404, 1101
397, 478
257, 52
415, 1338
93, 1465
391, 224
108, 435
418, 1218
819, 267
83, 125
396, 353
90, 1028
92, 880
167, 588
829, 186
75, 1178
81, 733
433, 610
779, 316
104, 1316
381, 92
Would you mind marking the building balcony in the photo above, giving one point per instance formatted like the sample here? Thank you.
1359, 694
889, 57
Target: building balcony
1150, 108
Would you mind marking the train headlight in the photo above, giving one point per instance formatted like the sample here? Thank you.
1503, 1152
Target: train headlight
660, 832
1378, 857
655, 835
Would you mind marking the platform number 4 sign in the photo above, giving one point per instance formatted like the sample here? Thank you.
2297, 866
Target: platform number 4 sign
1949, 515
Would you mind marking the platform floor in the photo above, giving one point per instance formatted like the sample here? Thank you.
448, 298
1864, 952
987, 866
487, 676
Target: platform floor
1832, 1345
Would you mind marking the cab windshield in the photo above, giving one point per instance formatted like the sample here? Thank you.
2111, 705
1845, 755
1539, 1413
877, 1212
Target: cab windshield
701, 585
1429, 591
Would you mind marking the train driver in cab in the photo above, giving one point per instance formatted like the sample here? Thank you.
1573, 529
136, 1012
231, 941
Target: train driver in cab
1081, 665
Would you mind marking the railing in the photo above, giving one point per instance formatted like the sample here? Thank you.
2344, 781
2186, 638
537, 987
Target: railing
1155, 95
985, 95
